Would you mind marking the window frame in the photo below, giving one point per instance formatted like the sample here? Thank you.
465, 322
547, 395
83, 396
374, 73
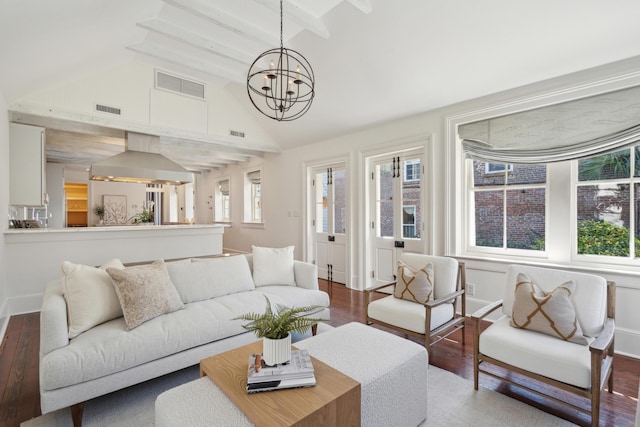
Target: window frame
222, 202
252, 201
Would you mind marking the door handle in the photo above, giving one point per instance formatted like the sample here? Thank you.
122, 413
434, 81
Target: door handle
399, 244
332, 238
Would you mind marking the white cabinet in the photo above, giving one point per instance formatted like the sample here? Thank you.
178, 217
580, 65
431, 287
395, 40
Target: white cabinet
27, 179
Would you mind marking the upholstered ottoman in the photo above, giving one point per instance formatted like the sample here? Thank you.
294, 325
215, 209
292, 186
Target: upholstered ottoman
392, 372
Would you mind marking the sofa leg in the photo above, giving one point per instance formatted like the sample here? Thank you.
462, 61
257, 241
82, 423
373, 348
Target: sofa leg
76, 414
314, 329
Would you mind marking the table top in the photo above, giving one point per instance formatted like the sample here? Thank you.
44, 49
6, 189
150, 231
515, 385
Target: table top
335, 395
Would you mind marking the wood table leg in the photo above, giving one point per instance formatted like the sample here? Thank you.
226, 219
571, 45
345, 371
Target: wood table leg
76, 414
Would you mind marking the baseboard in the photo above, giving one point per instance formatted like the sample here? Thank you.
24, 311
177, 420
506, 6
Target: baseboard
4, 319
24, 304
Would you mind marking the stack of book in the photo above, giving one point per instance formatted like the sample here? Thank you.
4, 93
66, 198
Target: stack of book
298, 372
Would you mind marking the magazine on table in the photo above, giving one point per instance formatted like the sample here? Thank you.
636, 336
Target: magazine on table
298, 372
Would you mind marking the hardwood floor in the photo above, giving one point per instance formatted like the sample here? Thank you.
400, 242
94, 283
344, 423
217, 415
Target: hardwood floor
20, 399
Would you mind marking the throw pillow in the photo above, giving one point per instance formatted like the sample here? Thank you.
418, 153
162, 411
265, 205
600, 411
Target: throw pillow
551, 313
273, 266
414, 285
89, 294
145, 292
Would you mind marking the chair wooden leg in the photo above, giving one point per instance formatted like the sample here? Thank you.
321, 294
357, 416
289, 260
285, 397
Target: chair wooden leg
476, 353
76, 414
314, 329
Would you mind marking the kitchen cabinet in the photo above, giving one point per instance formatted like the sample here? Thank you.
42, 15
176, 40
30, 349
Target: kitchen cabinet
27, 178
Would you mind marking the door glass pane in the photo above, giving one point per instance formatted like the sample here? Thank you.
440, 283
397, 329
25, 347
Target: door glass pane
526, 219
489, 218
384, 193
411, 193
489, 173
339, 201
322, 211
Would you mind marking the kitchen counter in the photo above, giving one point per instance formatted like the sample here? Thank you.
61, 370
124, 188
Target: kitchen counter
35, 255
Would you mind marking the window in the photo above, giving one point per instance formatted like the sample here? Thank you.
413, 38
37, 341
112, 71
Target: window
222, 205
508, 209
412, 170
253, 197
607, 205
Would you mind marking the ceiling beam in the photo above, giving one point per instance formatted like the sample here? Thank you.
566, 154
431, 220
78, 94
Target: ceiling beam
226, 21
177, 57
180, 34
303, 18
363, 5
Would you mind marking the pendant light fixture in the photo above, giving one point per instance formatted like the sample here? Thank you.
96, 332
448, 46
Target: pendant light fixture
280, 82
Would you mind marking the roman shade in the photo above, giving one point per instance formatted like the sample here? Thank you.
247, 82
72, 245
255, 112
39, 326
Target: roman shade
254, 177
566, 131
223, 186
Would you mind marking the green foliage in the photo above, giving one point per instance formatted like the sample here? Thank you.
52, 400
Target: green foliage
145, 215
606, 166
279, 323
604, 238
99, 211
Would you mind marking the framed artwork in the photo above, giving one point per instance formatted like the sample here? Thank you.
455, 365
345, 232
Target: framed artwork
115, 209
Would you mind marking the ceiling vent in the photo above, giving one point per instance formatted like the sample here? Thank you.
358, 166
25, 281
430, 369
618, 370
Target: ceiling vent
236, 133
179, 85
107, 109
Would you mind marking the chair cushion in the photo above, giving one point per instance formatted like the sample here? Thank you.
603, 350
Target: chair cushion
408, 315
145, 292
539, 353
589, 299
551, 313
445, 271
414, 285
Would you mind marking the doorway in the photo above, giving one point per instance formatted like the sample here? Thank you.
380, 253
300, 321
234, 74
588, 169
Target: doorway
329, 220
396, 211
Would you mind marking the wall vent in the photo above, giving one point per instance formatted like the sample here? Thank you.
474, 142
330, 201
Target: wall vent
107, 109
179, 85
236, 133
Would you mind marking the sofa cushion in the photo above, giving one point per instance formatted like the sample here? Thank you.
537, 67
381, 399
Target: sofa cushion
273, 266
110, 347
144, 292
89, 294
538, 353
294, 296
209, 278
551, 313
414, 284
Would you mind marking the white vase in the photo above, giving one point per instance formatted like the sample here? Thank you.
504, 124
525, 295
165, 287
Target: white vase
276, 351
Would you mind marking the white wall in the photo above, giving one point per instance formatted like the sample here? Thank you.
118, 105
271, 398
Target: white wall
4, 202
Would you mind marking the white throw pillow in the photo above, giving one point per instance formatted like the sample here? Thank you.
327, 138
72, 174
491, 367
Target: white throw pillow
273, 266
91, 299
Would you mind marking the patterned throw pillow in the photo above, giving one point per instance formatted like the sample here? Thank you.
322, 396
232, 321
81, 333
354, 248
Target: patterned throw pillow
551, 313
145, 292
414, 285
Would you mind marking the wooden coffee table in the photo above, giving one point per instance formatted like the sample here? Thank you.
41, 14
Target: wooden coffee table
335, 400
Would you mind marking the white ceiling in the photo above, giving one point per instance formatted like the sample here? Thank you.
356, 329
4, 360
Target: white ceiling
374, 60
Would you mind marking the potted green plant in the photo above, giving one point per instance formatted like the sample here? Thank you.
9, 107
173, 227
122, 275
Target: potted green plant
99, 211
275, 327
146, 215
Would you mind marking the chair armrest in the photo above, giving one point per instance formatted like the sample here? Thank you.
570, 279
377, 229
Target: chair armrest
444, 300
604, 340
377, 288
486, 310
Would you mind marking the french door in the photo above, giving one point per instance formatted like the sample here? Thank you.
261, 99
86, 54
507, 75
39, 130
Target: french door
396, 212
329, 221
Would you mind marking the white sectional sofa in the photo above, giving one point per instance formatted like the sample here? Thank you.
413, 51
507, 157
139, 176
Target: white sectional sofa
108, 356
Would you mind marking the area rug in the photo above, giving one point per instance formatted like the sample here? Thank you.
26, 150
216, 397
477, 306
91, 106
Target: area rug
452, 401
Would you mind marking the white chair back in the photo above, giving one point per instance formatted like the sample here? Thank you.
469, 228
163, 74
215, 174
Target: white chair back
445, 270
590, 299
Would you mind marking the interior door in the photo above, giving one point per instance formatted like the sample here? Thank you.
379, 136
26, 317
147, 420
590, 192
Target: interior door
330, 222
395, 211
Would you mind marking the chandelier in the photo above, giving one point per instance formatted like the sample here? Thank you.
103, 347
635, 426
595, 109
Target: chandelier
283, 89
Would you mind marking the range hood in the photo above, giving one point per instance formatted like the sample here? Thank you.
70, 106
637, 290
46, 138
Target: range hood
141, 162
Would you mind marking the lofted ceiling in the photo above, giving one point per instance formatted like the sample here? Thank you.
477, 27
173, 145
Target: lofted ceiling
374, 60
